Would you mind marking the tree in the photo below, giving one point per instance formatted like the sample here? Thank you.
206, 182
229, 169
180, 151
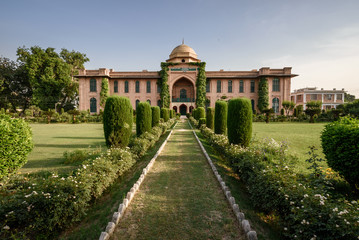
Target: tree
104, 92
288, 106
348, 97
263, 98
313, 108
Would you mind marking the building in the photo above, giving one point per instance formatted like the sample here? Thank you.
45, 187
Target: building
142, 86
329, 98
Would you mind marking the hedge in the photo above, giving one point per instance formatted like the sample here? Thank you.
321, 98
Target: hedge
202, 121
143, 118
155, 116
341, 148
165, 114
117, 121
15, 144
201, 113
210, 118
239, 121
220, 118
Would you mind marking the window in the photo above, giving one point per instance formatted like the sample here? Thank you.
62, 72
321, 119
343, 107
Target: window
115, 86
219, 86
93, 105
329, 96
253, 106
159, 102
275, 105
137, 102
208, 86
183, 60
126, 86
241, 86
149, 101
313, 96
183, 93
339, 97
137, 86
158, 88
148, 87
252, 86
229, 86
93, 87
275, 86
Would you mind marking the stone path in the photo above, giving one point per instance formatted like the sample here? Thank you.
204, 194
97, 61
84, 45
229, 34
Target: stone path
179, 198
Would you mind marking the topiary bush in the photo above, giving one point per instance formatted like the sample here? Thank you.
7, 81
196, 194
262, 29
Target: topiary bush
341, 148
220, 117
202, 121
155, 116
143, 118
210, 118
165, 114
201, 113
172, 113
239, 121
15, 144
117, 121
194, 113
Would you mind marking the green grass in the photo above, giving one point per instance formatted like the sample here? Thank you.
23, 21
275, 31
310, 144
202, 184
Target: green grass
52, 140
298, 136
180, 198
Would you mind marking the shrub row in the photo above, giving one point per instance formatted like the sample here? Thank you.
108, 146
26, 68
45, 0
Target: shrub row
308, 208
43, 206
143, 118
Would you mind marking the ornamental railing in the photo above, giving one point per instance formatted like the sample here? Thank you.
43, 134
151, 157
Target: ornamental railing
182, 99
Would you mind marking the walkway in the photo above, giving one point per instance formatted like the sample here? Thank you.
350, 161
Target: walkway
179, 198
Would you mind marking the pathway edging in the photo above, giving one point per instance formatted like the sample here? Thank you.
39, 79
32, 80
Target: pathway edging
243, 223
110, 228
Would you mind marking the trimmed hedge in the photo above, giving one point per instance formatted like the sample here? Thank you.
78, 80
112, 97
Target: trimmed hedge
165, 114
117, 121
172, 113
15, 144
155, 116
201, 113
143, 118
239, 121
341, 148
202, 121
220, 118
210, 118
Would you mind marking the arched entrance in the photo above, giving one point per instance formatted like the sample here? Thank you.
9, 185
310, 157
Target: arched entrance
183, 109
175, 108
183, 91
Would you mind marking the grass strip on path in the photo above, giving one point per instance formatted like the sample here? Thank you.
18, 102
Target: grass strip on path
179, 198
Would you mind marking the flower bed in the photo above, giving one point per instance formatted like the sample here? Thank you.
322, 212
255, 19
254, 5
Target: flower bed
42, 206
308, 207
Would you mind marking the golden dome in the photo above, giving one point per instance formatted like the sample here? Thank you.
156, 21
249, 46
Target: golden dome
183, 51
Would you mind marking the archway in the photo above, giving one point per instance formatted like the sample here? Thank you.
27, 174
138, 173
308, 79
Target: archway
175, 108
183, 91
183, 109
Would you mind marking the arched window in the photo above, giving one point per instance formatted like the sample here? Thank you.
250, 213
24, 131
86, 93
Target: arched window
229, 86
253, 105
137, 86
93, 105
126, 86
159, 102
148, 87
137, 102
275, 105
183, 93
275, 85
149, 101
93, 87
219, 86
115, 86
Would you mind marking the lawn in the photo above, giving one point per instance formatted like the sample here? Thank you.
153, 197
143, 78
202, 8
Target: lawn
52, 140
298, 136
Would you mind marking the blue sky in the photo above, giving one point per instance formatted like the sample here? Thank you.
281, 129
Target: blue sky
318, 38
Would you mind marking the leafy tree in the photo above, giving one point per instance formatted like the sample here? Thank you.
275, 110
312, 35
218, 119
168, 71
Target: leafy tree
263, 98
288, 106
268, 112
348, 97
313, 108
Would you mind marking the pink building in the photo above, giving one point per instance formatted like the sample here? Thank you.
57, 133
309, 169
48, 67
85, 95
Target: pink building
142, 86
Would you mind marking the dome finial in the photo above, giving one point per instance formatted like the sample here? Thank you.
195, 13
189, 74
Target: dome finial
182, 40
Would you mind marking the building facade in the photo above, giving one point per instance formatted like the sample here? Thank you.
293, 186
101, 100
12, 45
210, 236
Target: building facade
142, 86
329, 98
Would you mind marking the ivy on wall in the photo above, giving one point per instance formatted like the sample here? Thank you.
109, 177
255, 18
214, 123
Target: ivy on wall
163, 83
200, 84
263, 99
104, 92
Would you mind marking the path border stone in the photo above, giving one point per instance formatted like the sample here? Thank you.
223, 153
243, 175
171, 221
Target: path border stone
243, 223
110, 228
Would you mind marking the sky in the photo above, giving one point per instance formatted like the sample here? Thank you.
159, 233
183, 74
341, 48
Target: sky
319, 39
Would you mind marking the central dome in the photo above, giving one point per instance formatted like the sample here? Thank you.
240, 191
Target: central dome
183, 51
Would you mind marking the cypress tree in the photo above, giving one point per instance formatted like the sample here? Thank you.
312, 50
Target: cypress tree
143, 118
210, 118
117, 121
165, 114
263, 97
239, 121
201, 113
202, 121
220, 118
155, 116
